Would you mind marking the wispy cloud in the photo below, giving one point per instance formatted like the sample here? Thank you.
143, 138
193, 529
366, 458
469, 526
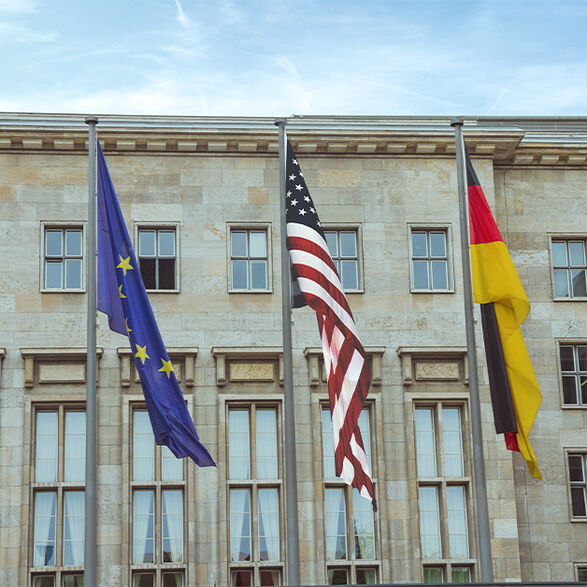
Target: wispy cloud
18, 6
182, 18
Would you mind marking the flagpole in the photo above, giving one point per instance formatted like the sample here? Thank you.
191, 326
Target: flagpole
478, 458
90, 534
291, 480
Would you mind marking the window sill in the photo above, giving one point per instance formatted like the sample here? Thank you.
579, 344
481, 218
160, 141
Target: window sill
574, 406
163, 291
568, 299
581, 520
250, 291
432, 291
63, 291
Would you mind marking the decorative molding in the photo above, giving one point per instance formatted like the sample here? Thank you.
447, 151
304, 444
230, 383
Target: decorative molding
52, 359
249, 364
433, 364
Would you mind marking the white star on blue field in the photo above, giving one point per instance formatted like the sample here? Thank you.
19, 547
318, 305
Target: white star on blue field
277, 57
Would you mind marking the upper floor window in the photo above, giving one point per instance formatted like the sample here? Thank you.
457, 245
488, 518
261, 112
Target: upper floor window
249, 261
578, 479
343, 247
569, 267
62, 258
430, 268
573, 362
158, 257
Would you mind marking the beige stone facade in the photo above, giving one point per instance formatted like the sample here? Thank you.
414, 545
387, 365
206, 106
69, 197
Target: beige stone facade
380, 179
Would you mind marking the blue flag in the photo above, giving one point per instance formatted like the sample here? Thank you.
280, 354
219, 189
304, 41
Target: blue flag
122, 296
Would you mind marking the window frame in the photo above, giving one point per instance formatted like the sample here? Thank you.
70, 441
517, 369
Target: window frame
62, 226
161, 226
566, 237
357, 229
249, 227
566, 342
429, 227
576, 452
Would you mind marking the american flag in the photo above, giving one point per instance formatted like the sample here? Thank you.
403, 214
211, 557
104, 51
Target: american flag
344, 357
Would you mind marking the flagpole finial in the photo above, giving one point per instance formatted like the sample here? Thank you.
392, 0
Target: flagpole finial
91, 120
280, 122
457, 122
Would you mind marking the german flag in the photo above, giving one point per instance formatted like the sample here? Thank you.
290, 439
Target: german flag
515, 394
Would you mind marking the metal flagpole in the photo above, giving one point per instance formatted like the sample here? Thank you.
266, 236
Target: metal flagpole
90, 542
291, 481
479, 461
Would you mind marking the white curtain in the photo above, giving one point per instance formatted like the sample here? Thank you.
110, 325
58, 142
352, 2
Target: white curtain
364, 527
335, 524
173, 526
143, 447
44, 528
268, 524
238, 444
75, 446
74, 528
266, 444
171, 466
46, 449
240, 525
143, 527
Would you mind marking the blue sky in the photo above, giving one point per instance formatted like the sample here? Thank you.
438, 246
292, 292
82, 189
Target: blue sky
277, 57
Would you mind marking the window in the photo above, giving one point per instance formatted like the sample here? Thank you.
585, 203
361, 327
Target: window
351, 556
443, 494
569, 268
62, 258
158, 258
342, 245
58, 496
578, 479
158, 498
249, 261
430, 261
573, 362
582, 573
254, 496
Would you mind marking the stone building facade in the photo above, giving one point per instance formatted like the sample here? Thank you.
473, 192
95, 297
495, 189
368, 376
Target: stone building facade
201, 202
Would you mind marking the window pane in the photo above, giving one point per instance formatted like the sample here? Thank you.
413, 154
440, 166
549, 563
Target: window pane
73, 528
461, 575
238, 244
239, 275
420, 274
332, 243
73, 273
241, 578
238, 444
419, 244
53, 274
429, 522
143, 447
73, 580
44, 581
75, 446
576, 468
44, 531
458, 534
258, 244
338, 577
46, 447
561, 283
240, 525
425, 443
270, 577
143, 580
582, 356
567, 357
171, 466
577, 254
348, 244
335, 524
268, 525
579, 286
328, 446
366, 576
365, 428
172, 579
167, 243
439, 274
433, 575
54, 243
172, 526
452, 442
259, 274
559, 253
266, 444
146, 243
166, 274
148, 272
143, 526
570, 390
73, 243
363, 527
583, 385
349, 277
437, 244
582, 574
578, 501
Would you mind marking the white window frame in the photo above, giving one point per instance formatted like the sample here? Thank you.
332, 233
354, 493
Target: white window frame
574, 342
357, 229
432, 227
564, 237
249, 227
582, 452
165, 226
50, 225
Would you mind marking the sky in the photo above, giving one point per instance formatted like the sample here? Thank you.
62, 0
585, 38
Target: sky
279, 57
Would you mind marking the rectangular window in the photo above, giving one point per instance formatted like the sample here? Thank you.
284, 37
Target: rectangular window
430, 266
58, 494
349, 519
569, 267
254, 495
573, 363
578, 479
62, 258
158, 258
158, 519
343, 247
582, 574
443, 493
249, 260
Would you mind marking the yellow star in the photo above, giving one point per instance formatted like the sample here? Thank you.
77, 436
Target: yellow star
166, 367
142, 353
120, 291
128, 330
124, 264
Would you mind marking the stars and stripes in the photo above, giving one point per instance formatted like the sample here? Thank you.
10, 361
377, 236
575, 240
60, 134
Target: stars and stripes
344, 357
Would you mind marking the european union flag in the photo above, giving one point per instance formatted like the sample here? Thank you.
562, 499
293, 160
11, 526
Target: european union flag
122, 296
